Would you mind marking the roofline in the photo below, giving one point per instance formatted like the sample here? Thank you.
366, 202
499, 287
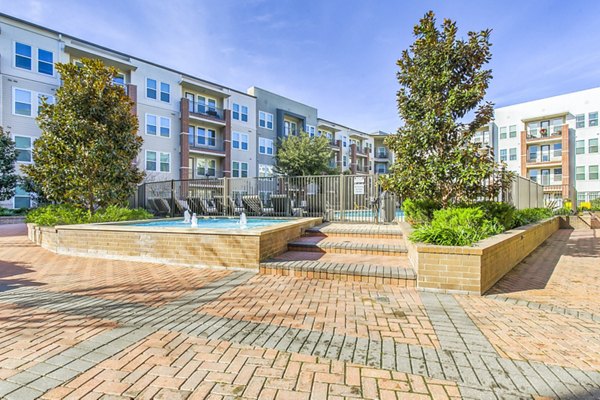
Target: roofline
343, 126
280, 95
118, 52
547, 98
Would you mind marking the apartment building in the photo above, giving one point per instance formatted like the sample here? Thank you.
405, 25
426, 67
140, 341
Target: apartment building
553, 141
192, 128
382, 156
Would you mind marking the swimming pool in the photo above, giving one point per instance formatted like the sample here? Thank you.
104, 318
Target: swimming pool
213, 223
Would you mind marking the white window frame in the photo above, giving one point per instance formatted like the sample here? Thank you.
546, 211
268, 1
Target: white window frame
158, 161
264, 116
29, 149
38, 61
30, 57
241, 139
242, 112
155, 161
266, 170
168, 127
17, 195
156, 89
310, 129
34, 59
267, 144
240, 169
156, 119
160, 92
35, 100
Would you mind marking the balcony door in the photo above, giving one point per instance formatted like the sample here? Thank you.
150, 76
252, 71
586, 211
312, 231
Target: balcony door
544, 128
545, 153
191, 98
545, 177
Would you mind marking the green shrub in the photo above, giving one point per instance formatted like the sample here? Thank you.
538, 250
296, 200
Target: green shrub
10, 212
55, 214
531, 215
419, 212
563, 211
595, 204
502, 213
460, 226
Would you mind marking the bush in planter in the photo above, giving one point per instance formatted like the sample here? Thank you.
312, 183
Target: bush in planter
419, 212
56, 214
595, 204
9, 212
531, 215
563, 211
502, 213
461, 226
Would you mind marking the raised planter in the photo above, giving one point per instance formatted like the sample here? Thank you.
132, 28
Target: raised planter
475, 269
585, 221
17, 219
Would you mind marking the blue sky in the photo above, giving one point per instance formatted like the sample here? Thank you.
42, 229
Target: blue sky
339, 56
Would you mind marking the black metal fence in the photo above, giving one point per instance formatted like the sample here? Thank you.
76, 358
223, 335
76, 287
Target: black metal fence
344, 198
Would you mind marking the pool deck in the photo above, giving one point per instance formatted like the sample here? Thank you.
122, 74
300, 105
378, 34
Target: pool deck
74, 328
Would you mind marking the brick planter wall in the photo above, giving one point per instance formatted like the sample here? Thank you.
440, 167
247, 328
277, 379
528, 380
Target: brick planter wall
180, 246
475, 269
586, 221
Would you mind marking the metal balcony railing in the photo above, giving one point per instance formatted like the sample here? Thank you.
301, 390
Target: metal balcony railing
207, 110
538, 133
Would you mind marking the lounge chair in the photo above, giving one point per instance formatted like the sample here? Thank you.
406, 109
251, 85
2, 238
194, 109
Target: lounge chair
282, 206
227, 208
316, 206
202, 206
181, 206
209, 207
162, 206
153, 207
253, 206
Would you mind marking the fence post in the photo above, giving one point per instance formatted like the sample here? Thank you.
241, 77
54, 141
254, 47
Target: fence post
342, 198
172, 197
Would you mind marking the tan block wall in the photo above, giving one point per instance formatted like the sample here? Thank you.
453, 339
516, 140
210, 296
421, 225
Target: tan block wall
476, 269
275, 243
11, 220
580, 222
44, 236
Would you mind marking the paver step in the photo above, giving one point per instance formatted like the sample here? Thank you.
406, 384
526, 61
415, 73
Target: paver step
375, 269
349, 245
355, 230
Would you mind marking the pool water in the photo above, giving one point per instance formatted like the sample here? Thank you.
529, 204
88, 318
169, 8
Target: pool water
213, 223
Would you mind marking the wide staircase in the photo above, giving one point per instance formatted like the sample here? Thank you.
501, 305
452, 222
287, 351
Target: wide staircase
347, 252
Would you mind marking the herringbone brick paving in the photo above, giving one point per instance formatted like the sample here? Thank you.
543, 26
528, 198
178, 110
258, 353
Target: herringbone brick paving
234, 335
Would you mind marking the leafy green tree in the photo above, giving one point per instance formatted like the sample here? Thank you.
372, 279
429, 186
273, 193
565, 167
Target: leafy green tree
85, 155
8, 157
443, 81
304, 155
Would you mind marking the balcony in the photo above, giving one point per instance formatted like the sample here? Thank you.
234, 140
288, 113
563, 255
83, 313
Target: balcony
364, 152
544, 159
551, 133
211, 146
207, 112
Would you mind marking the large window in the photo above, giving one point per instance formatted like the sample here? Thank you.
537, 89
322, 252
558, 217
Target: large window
545, 177
165, 92
580, 121
593, 119
503, 156
593, 172
545, 153
593, 146
265, 120
240, 112
239, 169
23, 56
580, 173
206, 167
310, 130
512, 131
151, 88
557, 151
151, 125
580, 147
503, 132
165, 127
265, 170
22, 198
23, 146
557, 177
240, 141
45, 62
265, 146
22, 102
533, 153
165, 162
513, 154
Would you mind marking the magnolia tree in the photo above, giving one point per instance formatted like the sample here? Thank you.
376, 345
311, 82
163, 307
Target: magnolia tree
304, 155
442, 82
85, 155
8, 157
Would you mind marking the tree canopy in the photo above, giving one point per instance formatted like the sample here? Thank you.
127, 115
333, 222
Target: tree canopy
8, 157
442, 82
304, 155
85, 155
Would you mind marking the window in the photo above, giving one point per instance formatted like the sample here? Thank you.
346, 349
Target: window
580, 173
158, 161
545, 153
240, 112
503, 155
533, 150
23, 146
345, 141
165, 92
557, 150
545, 177
265, 170
240, 141
580, 121
23, 56
503, 132
206, 167
512, 131
150, 160
265, 120
119, 80
45, 62
239, 170
345, 161
533, 175
22, 198
513, 154
151, 88
165, 127
265, 146
150, 124
557, 177
22, 102
593, 119
310, 130
191, 136
381, 168
593, 146
211, 137
593, 172
580, 147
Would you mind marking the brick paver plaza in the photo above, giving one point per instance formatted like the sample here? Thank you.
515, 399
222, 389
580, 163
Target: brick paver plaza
89, 328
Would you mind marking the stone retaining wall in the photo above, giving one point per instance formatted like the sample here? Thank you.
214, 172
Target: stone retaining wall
475, 269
